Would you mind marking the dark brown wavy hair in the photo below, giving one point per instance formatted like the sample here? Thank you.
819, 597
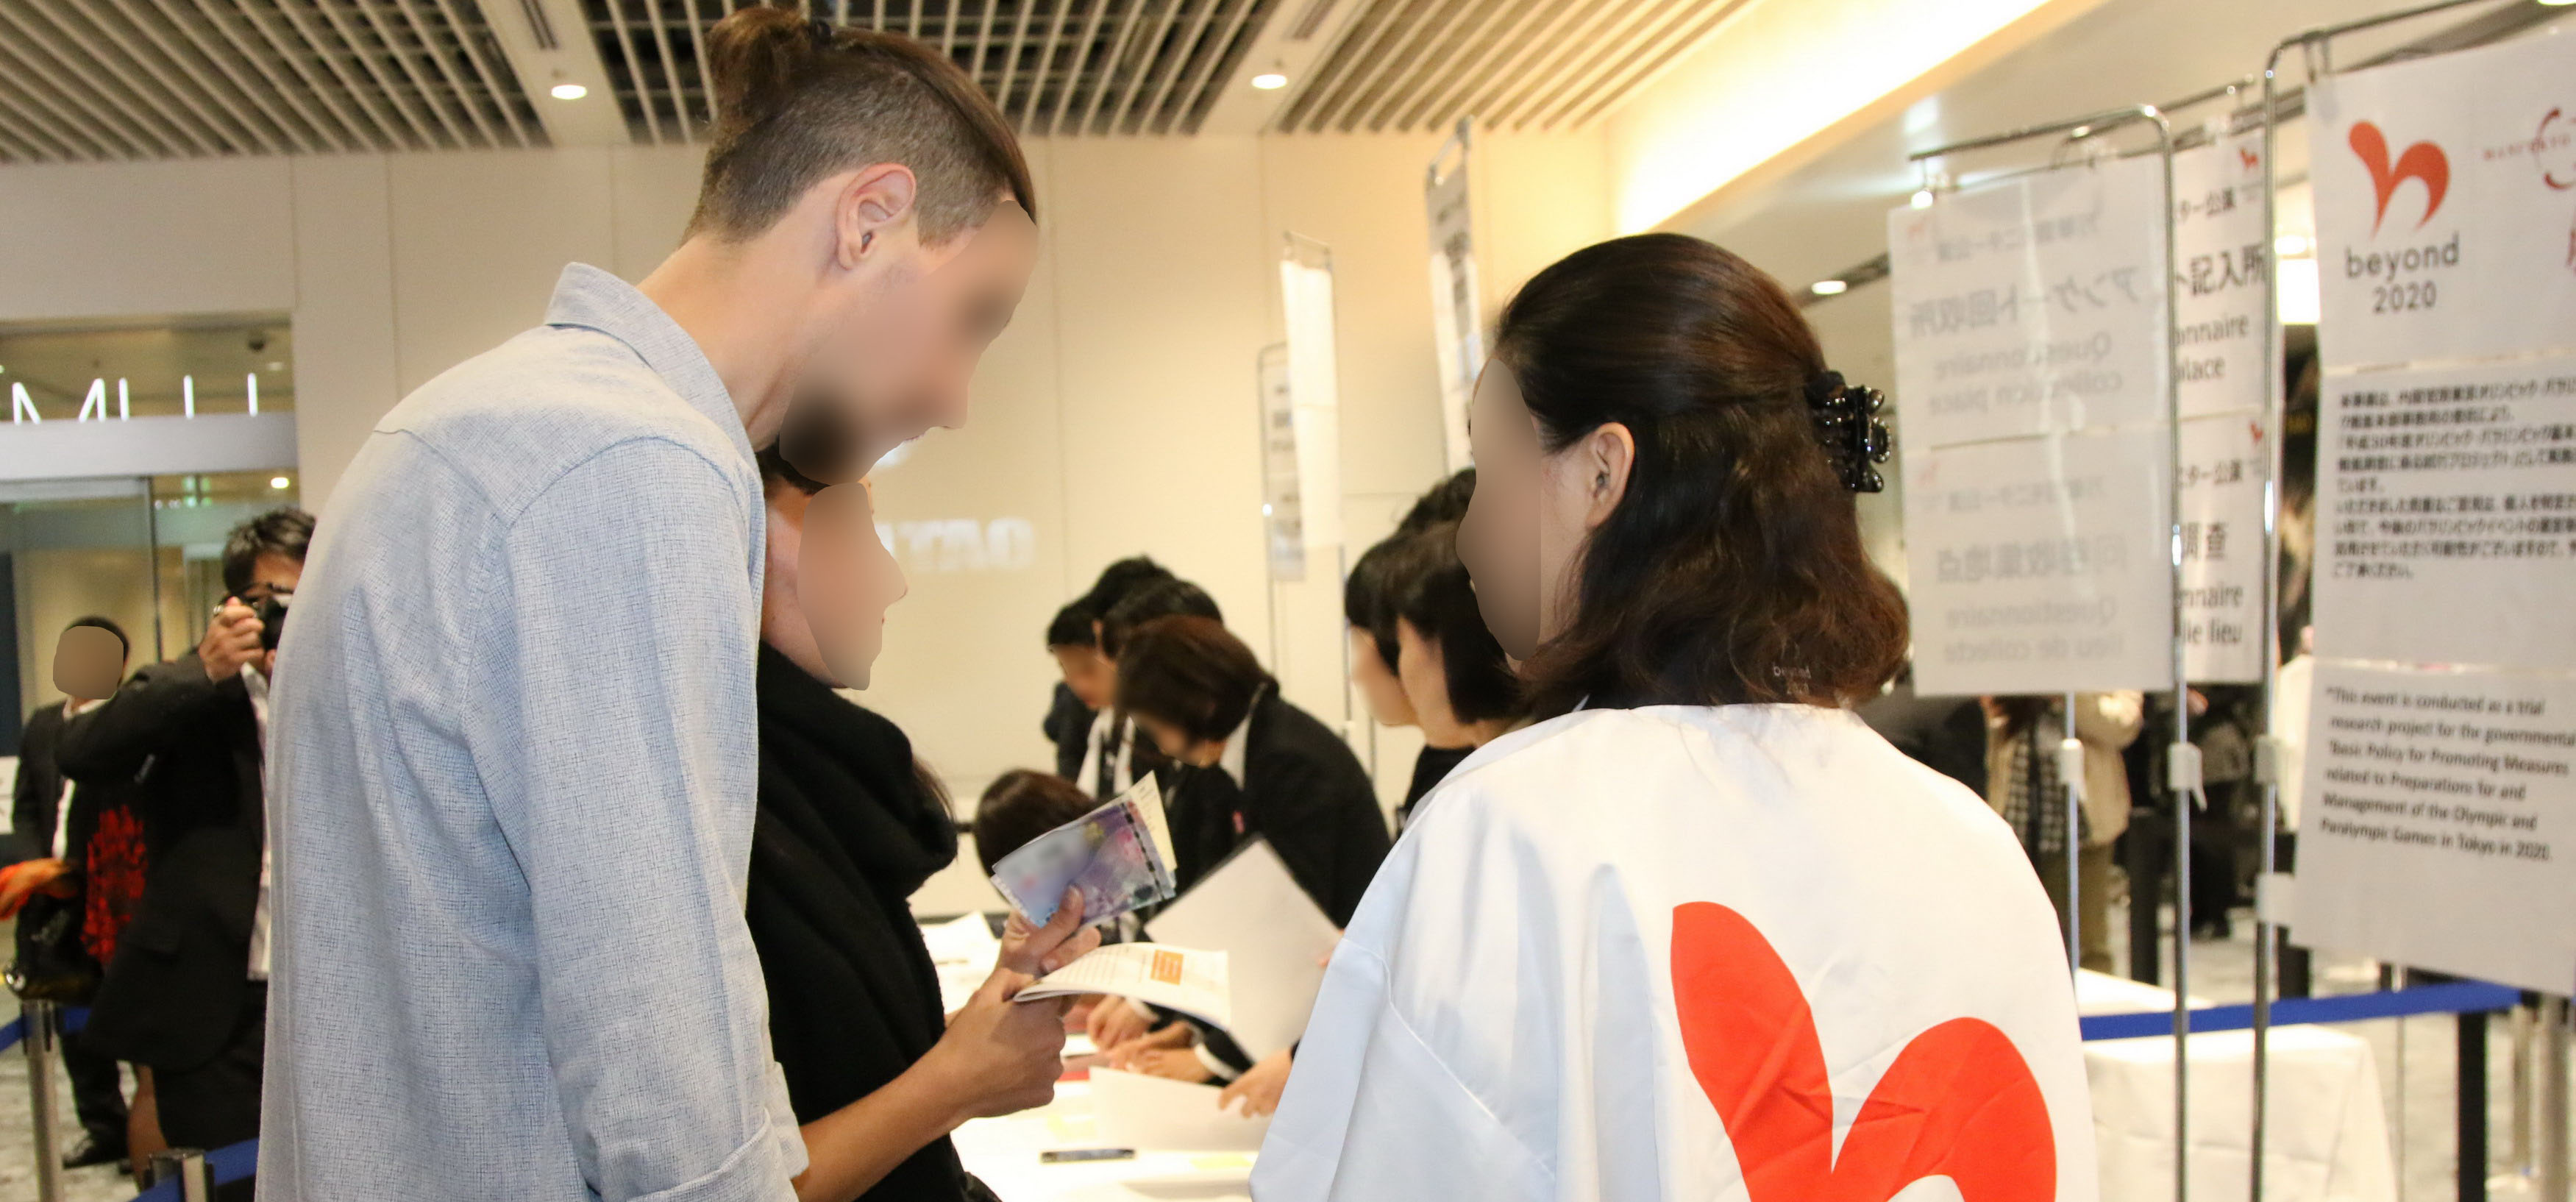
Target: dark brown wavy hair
797, 101
1731, 570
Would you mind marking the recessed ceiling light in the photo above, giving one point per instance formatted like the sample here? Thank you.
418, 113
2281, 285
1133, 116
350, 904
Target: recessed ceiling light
569, 91
1270, 81
278, 482
1922, 198
1828, 287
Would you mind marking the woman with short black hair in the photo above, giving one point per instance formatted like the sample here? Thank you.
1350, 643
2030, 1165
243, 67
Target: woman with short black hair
1460, 686
1698, 933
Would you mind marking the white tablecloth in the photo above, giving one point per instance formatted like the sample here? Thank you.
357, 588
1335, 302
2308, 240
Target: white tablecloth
1004, 1152
2328, 1137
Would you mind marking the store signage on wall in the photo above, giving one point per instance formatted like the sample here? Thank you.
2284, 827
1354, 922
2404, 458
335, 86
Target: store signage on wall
2441, 743
2446, 204
1458, 329
22, 407
1284, 529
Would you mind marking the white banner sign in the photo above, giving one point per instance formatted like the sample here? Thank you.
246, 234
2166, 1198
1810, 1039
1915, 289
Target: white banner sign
1458, 329
2446, 515
2428, 785
2224, 462
1315, 395
2220, 251
2040, 565
2446, 204
1282, 517
2033, 305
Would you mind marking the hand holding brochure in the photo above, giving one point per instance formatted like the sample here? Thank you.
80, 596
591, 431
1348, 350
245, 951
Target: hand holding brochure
1119, 856
1174, 978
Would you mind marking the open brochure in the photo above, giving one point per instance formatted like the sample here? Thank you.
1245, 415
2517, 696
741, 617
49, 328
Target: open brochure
1174, 978
1119, 856
1275, 939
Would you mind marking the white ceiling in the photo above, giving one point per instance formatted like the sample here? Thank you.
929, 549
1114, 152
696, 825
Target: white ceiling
99, 80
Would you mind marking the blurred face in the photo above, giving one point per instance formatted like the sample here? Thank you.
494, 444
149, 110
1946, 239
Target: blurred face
899, 331
1377, 681
829, 583
1088, 673
1523, 537
88, 663
1177, 745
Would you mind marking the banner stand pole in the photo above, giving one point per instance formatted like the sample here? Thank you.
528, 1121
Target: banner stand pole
2554, 1167
41, 1043
2070, 774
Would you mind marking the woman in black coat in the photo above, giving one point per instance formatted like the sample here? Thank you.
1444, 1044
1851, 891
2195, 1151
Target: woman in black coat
848, 827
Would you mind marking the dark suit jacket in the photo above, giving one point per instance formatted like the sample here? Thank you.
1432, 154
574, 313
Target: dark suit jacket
40, 783
1303, 791
175, 992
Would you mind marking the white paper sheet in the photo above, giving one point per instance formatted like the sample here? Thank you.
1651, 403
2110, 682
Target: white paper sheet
1275, 939
1153, 1113
1175, 978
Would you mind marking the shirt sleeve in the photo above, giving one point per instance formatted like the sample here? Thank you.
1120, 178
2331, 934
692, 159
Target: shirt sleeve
618, 759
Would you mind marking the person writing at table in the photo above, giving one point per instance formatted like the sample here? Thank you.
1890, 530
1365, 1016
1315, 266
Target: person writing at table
849, 824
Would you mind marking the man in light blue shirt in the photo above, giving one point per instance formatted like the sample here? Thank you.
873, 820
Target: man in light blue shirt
512, 764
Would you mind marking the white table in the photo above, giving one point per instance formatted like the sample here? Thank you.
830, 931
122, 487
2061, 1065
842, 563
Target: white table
1004, 1152
2327, 1139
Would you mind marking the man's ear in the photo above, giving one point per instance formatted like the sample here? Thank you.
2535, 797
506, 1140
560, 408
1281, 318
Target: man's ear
871, 202
1607, 455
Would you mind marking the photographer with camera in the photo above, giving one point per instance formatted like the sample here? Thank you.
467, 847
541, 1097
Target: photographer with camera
186, 996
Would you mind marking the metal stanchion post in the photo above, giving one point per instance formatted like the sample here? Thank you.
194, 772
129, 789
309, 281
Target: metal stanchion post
2070, 773
187, 1166
2522, 1024
2554, 1186
38, 1018
2472, 1102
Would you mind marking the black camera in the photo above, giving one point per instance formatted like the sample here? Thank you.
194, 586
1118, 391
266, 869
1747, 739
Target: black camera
272, 621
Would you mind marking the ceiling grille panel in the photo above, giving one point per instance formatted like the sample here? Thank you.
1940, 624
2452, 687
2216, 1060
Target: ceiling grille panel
88, 80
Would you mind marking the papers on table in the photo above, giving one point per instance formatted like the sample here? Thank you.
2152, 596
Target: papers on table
1137, 1111
963, 953
1119, 856
1275, 939
1175, 978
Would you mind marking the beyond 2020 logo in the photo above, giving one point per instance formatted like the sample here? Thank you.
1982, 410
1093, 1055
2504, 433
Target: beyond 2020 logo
2423, 162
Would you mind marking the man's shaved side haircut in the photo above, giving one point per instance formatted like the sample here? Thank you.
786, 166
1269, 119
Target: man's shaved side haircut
798, 101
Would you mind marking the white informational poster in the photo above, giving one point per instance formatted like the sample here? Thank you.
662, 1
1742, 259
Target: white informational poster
1315, 398
1458, 329
2032, 305
2439, 824
2446, 515
2446, 204
1283, 528
2221, 252
2220, 491
2038, 565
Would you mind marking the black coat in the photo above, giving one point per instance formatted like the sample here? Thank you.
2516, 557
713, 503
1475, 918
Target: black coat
1068, 726
174, 994
1304, 791
846, 831
39, 785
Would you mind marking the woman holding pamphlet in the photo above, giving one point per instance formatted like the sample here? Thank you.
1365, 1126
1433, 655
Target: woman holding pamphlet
1697, 933
848, 827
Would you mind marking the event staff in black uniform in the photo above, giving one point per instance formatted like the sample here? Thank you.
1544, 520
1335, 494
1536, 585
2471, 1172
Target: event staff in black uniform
186, 996
848, 826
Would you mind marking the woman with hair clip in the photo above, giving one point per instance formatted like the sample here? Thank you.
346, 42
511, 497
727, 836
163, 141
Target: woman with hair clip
1698, 933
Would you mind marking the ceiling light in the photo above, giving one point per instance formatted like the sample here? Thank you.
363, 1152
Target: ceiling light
2291, 246
277, 365
1922, 198
1828, 287
278, 482
1270, 81
569, 91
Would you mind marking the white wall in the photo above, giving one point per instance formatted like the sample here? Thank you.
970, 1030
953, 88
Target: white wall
1115, 417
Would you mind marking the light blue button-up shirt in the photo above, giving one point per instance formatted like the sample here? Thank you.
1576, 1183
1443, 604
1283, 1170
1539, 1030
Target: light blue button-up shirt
512, 766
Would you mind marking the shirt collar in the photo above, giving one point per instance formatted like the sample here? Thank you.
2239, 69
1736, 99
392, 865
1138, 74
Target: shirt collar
1231, 759
592, 299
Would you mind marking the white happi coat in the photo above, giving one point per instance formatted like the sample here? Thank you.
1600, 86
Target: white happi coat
1749, 952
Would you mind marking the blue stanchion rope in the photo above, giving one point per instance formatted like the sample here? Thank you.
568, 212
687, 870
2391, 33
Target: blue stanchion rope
226, 1165
2456, 997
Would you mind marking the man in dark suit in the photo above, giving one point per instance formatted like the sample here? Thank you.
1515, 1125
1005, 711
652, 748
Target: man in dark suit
186, 995
54, 839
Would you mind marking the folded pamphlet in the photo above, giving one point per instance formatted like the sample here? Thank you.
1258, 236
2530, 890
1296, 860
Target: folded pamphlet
1174, 978
1119, 856
1274, 936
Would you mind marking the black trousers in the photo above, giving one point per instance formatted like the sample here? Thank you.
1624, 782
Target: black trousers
216, 1104
98, 1091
